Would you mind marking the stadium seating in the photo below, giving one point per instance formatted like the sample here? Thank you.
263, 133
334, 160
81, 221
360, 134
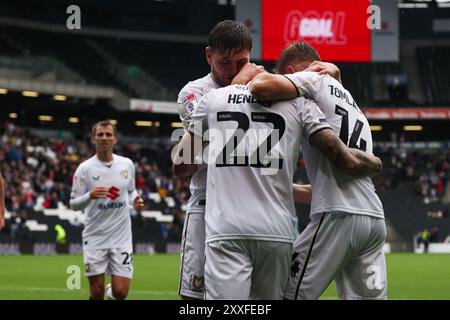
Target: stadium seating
434, 71
366, 81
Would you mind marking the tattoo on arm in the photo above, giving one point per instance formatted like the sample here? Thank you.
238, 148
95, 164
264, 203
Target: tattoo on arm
351, 161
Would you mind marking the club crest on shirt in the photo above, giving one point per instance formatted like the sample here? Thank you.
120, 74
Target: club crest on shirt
197, 283
124, 174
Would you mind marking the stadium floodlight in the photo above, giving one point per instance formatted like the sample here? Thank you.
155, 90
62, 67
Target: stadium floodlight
59, 97
13, 115
3, 91
157, 124
45, 118
141, 123
176, 125
376, 128
74, 120
413, 128
28, 93
114, 121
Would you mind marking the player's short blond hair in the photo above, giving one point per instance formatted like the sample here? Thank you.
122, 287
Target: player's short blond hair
104, 123
296, 52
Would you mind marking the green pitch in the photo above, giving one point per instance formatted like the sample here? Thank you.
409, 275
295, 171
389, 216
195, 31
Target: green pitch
156, 277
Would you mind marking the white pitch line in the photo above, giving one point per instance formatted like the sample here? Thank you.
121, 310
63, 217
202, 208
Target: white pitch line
48, 289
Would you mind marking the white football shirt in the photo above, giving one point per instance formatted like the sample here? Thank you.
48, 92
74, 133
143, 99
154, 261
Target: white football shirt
332, 189
188, 99
107, 221
248, 197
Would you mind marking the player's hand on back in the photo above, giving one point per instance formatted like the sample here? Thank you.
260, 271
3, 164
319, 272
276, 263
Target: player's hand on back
99, 193
138, 203
247, 73
325, 68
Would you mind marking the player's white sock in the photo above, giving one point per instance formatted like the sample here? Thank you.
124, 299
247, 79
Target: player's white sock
109, 293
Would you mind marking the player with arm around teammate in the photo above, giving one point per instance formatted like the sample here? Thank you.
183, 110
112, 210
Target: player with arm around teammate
249, 236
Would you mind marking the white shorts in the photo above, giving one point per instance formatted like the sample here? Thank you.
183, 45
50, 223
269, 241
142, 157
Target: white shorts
192, 264
246, 269
344, 247
117, 261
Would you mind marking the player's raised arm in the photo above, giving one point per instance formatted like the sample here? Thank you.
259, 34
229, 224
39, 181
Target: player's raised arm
351, 161
302, 193
2, 202
266, 86
184, 158
190, 149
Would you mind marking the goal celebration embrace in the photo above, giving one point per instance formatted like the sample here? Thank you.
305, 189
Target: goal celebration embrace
231, 156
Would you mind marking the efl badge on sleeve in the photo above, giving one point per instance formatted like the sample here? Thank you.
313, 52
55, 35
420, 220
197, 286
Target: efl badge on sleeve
124, 174
188, 102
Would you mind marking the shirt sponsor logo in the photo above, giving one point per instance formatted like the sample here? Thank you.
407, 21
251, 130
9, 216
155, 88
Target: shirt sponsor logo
111, 205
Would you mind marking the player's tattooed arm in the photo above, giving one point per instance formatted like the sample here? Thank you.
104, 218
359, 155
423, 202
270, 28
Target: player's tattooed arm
184, 158
266, 86
351, 161
302, 193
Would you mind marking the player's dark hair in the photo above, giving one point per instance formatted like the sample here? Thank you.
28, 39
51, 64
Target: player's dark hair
296, 53
104, 123
230, 35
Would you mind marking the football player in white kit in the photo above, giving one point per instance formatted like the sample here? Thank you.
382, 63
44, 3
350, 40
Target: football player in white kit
228, 53
345, 238
104, 188
250, 212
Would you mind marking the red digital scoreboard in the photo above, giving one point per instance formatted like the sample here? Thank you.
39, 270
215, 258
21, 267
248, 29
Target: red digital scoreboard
336, 28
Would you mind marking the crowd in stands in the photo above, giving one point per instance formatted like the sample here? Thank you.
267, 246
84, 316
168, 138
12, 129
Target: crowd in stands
429, 170
36, 166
